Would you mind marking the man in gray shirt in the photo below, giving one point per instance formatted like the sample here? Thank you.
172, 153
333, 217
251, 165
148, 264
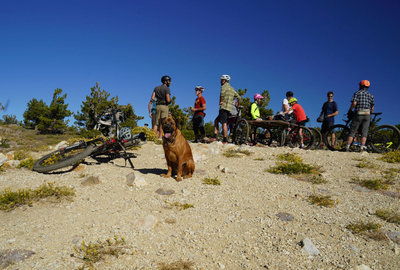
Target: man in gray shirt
162, 96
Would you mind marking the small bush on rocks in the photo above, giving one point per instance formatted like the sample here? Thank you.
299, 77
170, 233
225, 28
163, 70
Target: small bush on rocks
293, 164
368, 229
290, 157
391, 157
322, 200
27, 163
375, 184
236, 153
181, 206
10, 199
211, 181
90, 253
388, 215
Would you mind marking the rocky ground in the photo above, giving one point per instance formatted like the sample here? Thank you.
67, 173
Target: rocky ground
253, 220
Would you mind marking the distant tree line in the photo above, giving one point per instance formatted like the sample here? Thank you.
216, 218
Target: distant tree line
52, 118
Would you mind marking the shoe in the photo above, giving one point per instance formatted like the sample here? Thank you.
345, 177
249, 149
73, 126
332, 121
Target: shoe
301, 146
225, 141
363, 148
212, 139
252, 144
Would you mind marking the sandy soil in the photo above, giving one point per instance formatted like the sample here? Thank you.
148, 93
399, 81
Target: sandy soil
236, 225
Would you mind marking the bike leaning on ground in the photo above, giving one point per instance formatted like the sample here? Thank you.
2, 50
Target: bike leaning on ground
111, 148
380, 139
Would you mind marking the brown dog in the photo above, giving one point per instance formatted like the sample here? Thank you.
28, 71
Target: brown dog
177, 151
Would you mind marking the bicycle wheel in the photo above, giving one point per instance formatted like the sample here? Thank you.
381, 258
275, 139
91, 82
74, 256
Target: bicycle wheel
241, 133
317, 137
63, 158
384, 138
335, 137
294, 138
263, 135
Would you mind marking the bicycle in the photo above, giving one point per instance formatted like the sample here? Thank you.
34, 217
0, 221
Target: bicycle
238, 128
380, 139
293, 139
111, 148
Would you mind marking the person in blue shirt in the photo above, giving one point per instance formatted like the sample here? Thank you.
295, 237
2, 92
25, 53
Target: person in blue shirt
328, 112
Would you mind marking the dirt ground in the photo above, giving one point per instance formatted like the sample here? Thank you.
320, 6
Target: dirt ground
253, 220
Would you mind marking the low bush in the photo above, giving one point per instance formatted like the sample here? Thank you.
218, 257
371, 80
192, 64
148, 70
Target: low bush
93, 252
322, 200
388, 215
292, 164
391, 157
27, 163
290, 157
375, 184
211, 181
181, 206
237, 153
11, 199
150, 134
368, 229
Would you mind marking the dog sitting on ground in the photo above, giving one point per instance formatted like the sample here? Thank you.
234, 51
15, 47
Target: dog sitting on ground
177, 151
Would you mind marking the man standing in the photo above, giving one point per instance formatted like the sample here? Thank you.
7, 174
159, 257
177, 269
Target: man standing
227, 95
328, 113
162, 96
363, 104
198, 117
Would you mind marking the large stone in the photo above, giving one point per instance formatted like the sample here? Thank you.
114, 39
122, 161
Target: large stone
394, 236
13, 163
133, 180
60, 145
162, 191
285, 216
309, 247
9, 256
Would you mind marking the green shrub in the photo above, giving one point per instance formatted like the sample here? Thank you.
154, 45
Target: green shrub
4, 143
289, 157
188, 134
368, 229
181, 206
10, 199
375, 184
322, 200
292, 168
391, 157
388, 215
211, 181
237, 153
27, 163
93, 252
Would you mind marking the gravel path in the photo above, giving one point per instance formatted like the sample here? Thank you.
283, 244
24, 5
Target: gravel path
253, 220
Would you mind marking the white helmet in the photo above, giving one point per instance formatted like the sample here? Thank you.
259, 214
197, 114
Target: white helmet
125, 133
226, 77
200, 88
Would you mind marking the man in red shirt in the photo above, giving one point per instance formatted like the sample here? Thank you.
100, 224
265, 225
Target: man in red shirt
198, 117
300, 117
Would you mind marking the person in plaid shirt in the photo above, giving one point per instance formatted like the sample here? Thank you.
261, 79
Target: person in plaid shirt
363, 104
226, 98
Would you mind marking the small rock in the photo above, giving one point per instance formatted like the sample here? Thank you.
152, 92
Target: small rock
90, 180
162, 191
396, 250
3, 159
308, 247
60, 145
354, 248
133, 180
140, 182
361, 267
147, 223
10, 155
285, 216
13, 163
130, 178
8, 256
394, 236
185, 192
221, 266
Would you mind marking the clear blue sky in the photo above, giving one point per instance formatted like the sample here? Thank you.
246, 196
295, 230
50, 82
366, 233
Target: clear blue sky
308, 47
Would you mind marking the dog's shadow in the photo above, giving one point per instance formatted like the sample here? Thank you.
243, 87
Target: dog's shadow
155, 171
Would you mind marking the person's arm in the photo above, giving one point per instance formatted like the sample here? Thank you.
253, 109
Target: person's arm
153, 96
286, 108
168, 98
372, 109
150, 103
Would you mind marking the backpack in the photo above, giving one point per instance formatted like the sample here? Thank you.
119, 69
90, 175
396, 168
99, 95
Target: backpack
248, 109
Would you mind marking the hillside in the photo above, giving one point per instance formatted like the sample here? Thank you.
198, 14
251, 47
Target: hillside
253, 220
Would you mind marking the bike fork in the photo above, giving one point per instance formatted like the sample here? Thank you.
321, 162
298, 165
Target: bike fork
125, 156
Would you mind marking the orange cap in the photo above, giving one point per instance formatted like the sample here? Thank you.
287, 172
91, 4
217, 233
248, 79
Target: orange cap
365, 83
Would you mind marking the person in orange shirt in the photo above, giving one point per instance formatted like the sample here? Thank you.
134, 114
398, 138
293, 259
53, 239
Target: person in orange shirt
199, 114
300, 117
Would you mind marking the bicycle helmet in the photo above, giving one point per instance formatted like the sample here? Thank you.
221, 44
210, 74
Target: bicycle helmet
365, 83
200, 88
293, 99
258, 96
125, 133
225, 77
165, 78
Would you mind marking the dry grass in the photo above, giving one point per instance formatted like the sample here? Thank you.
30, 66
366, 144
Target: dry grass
237, 153
374, 184
391, 157
368, 229
11, 199
388, 215
180, 206
322, 200
91, 253
211, 181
